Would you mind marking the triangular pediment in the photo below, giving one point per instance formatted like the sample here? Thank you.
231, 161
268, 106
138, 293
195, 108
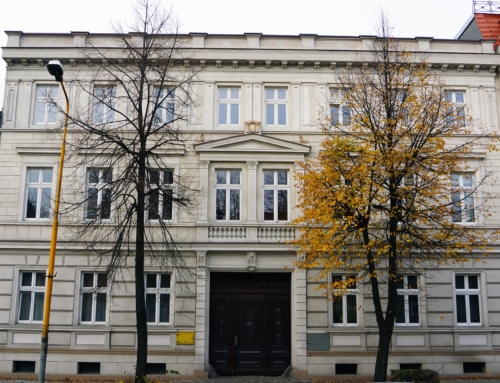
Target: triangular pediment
252, 143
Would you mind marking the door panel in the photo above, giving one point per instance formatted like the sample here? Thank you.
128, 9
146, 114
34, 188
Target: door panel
249, 323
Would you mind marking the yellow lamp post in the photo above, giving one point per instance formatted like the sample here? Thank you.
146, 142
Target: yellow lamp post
55, 69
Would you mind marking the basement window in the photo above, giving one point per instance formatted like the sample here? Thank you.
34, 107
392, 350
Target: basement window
410, 366
474, 368
346, 369
89, 368
23, 366
156, 369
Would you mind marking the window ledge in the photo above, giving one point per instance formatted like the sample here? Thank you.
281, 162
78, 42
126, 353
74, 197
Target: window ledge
38, 150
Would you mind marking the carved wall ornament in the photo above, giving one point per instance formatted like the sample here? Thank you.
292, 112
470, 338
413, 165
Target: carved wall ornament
333, 65
201, 138
348, 66
476, 68
202, 259
120, 62
252, 165
365, 66
104, 62
9, 62
460, 68
72, 62
203, 63
301, 257
444, 68
268, 64
251, 257
302, 141
186, 63
24, 62
284, 64
317, 65
39, 62
218, 64
301, 65
89, 63
204, 164
252, 126
493, 68
251, 64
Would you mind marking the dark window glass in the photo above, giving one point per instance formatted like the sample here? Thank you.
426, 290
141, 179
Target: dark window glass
151, 307
88, 280
220, 204
473, 282
268, 205
338, 312
150, 281
164, 308
413, 308
400, 309
165, 281
461, 315
26, 279
459, 282
282, 205
474, 309
352, 309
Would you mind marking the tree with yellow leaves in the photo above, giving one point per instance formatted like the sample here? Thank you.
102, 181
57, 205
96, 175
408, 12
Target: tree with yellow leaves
391, 191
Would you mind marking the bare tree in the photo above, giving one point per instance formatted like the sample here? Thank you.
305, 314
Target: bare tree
132, 105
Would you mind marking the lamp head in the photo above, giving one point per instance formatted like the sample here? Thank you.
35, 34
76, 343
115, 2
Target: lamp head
55, 69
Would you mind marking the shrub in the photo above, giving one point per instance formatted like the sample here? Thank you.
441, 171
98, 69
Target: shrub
416, 376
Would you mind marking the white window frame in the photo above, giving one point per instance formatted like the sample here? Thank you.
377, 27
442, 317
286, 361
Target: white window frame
335, 101
229, 101
158, 291
100, 186
463, 194
163, 187
108, 103
406, 293
343, 299
48, 102
276, 187
275, 102
39, 186
459, 108
165, 105
94, 290
33, 289
228, 186
467, 292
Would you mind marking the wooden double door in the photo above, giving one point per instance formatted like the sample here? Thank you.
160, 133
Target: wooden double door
250, 323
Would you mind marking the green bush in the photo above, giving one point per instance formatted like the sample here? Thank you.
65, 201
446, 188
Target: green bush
416, 376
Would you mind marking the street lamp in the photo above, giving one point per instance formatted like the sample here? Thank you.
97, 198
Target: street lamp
55, 69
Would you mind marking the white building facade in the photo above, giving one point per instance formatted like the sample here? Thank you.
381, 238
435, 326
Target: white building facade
252, 312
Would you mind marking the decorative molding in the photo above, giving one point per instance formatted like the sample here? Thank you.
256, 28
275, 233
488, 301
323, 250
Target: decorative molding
218, 64
284, 64
204, 164
252, 126
9, 62
251, 258
235, 63
201, 138
493, 68
460, 68
90, 63
317, 64
38, 150
203, 64
300, 65
268, 64
444, 68
202, 259
251, 64
186, 63
252, 165
24, 62
302, 141
72, 62
333, 65
348, 66
476, 68
365, 66
39, 62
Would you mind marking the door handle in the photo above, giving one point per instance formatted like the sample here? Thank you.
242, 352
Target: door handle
235, 340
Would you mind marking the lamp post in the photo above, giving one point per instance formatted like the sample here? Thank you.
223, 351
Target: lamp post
55, 69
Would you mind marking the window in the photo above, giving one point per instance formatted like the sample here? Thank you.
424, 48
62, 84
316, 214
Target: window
165, 105
99, 193
158, 298
94, 294
457, 112
46, 104
407, 301
275, 195
104, 104
31, 296
161, 193
276, 100
339, 113
345, 308
227, 195
38, 191
462, 197
228, 100
467, 299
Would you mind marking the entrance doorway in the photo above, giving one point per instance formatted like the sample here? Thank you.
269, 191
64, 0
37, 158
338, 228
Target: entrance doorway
250, 323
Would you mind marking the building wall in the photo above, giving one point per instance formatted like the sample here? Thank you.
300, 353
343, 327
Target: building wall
303, 66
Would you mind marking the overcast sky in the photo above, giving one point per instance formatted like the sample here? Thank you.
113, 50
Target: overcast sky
434, 18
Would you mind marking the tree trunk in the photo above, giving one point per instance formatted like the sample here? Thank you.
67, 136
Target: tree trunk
140, 300
384, 341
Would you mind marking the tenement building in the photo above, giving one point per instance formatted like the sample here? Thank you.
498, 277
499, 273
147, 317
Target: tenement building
243, 307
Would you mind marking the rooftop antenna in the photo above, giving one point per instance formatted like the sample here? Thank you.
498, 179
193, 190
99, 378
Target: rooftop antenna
483, 6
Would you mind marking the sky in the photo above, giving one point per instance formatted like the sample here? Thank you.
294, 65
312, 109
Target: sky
430, 18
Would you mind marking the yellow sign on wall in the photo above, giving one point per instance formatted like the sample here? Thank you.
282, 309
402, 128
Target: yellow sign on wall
185, 337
